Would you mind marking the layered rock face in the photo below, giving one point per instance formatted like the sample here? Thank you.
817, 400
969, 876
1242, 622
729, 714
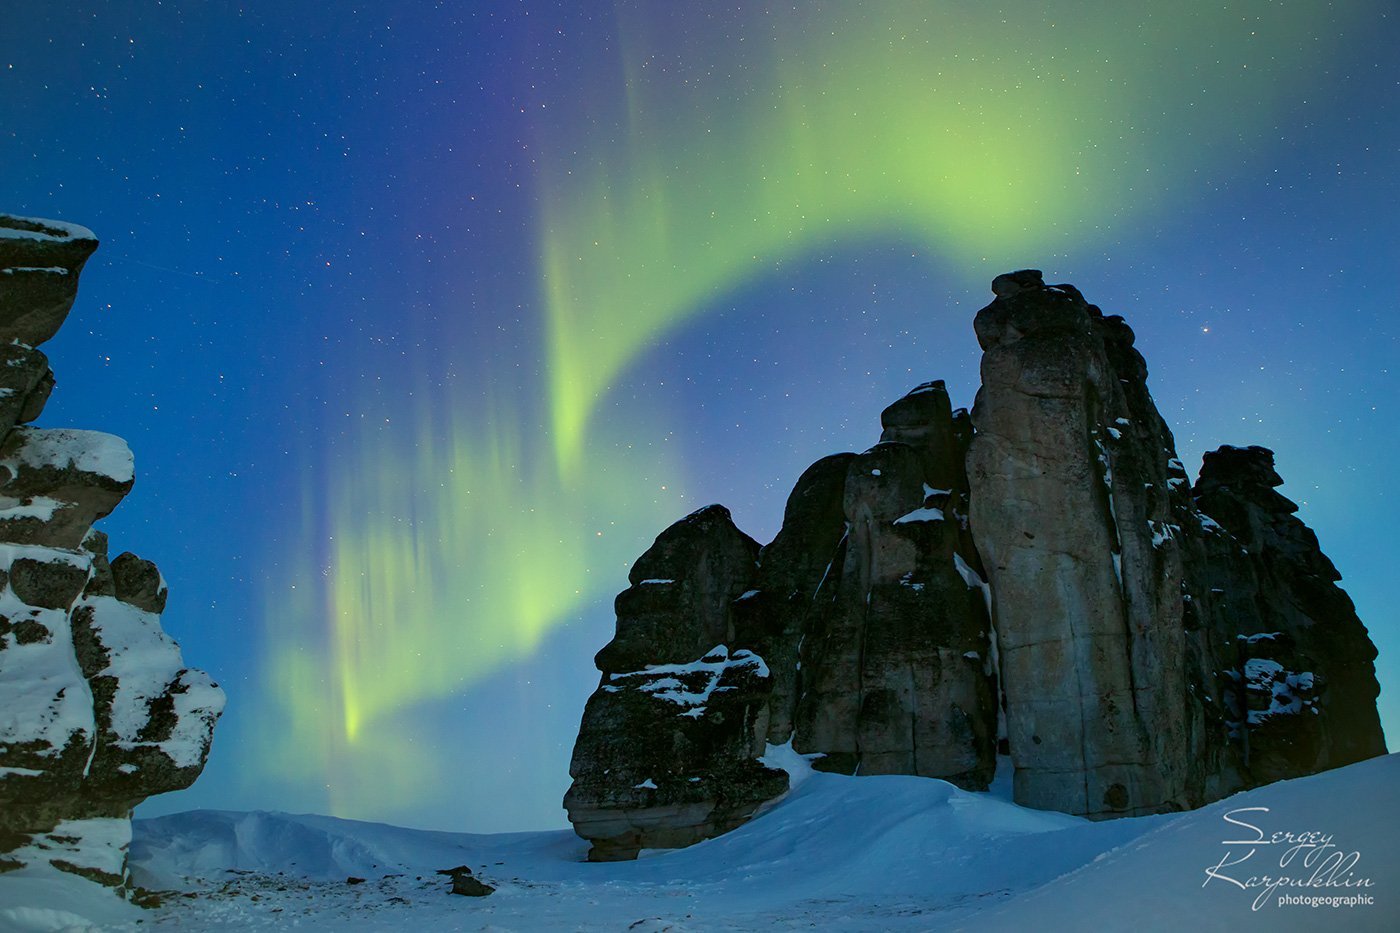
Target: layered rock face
97, 710
1040, 573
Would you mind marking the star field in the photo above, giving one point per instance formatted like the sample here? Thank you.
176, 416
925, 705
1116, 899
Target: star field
423, 320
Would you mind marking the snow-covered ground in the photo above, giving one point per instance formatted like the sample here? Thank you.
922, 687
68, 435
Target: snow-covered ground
867, 853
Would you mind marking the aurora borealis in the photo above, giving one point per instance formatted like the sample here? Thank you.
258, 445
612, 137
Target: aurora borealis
423, 322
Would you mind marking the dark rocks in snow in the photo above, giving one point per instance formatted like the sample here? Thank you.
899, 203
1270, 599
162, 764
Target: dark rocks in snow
99, 711
464, 883
1049, 578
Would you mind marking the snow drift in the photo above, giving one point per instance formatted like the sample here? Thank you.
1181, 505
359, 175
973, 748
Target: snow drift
871, 853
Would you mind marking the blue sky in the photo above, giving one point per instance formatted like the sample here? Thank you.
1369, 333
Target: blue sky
321, 285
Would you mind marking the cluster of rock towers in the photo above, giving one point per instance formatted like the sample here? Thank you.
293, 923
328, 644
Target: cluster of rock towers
1039, 577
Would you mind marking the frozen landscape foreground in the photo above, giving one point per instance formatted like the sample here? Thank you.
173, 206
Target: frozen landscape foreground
867, 853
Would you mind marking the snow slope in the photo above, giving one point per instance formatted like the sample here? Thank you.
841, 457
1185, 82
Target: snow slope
869, 853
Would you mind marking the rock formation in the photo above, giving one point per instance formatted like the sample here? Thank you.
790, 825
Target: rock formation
668, 751
97, 710
861, 633
1072, 471
1050, 580
1288, 666
895, 658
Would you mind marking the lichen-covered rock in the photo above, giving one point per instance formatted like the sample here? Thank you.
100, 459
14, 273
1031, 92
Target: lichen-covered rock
97, 709
668, 746
40, 261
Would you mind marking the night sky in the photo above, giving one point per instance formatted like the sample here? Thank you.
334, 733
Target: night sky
423, 319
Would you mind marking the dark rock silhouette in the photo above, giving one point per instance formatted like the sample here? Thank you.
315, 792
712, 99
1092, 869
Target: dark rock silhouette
463, 882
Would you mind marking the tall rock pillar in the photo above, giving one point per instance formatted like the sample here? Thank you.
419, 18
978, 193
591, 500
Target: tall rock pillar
1073, 481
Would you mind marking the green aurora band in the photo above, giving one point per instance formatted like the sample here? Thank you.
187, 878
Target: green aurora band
674, 170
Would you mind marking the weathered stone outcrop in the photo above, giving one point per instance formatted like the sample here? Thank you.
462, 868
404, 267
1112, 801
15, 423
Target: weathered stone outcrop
895, 661
773, 618
1288, 664
860, 633
39, 265
55, 483
97, 710
1071, 474
1049, 580
667, 752
25, 384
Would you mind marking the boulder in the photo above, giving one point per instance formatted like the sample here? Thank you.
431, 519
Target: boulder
463, 882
